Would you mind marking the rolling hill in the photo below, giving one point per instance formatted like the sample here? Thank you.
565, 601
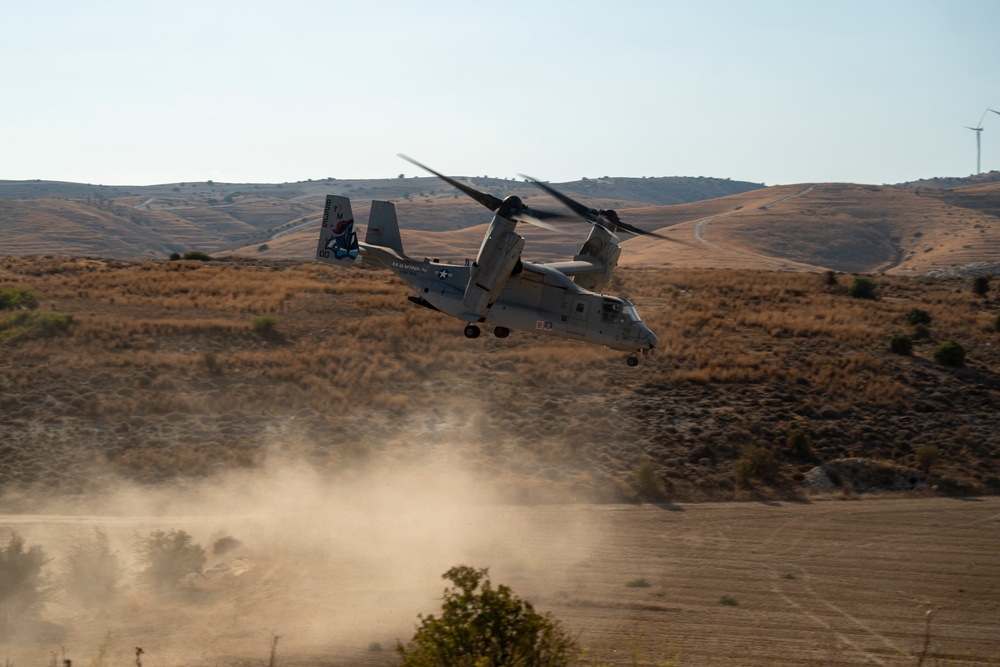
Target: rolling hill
856, 228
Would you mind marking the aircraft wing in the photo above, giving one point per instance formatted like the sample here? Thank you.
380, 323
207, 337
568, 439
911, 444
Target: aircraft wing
577, 267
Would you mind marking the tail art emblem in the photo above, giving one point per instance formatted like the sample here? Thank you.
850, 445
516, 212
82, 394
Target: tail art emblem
344, 242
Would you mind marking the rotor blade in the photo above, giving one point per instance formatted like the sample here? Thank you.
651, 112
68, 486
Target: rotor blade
575, 206
487, 200
537, 218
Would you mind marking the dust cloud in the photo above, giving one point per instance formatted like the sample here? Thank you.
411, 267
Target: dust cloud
337, 565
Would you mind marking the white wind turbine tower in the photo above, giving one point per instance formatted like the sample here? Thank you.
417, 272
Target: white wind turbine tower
979, 131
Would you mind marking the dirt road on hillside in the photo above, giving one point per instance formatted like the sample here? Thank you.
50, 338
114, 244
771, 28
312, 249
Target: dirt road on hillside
823, 583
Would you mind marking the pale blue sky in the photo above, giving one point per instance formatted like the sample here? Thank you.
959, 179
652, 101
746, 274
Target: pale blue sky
126, 92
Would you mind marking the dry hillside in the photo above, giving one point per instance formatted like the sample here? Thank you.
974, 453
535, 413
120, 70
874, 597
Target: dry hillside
165, 374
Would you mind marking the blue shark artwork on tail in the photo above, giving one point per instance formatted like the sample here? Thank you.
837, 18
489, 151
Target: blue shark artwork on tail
338, 240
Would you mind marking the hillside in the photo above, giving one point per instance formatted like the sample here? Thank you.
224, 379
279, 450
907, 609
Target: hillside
722, 224
132, 222
165, 376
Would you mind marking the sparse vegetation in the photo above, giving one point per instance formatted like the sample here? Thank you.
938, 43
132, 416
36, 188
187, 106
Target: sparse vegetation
25, 325
265, 325
92, 572
800, 445
162, 362
482, 625
728, 601
862, 288
981, 285
17, 299
638, 583
917, 316
926, 456
23, 587
758, 463
166, 558
648, 483
901, 344
950, 353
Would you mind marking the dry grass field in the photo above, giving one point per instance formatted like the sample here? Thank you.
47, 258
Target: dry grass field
359, 446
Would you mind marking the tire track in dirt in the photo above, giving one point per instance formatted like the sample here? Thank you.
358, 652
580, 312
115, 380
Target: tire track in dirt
699, 233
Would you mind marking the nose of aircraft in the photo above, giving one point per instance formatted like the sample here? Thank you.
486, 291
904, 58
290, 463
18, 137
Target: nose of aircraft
647, 338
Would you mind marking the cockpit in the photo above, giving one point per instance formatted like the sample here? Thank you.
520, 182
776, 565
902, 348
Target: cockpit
619, 310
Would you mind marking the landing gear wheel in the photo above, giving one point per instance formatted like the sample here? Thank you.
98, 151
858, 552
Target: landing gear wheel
632, 360
501, 332
472, 331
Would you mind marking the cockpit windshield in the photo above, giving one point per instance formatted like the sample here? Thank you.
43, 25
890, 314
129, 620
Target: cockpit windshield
617, 310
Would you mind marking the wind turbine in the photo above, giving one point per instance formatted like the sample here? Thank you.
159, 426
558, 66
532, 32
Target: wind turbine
979, 132
979, 150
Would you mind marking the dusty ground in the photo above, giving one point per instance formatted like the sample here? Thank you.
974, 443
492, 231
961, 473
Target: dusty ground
822, 583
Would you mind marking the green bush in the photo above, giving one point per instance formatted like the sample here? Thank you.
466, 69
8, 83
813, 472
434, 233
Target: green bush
166, 558
648, 483
174, 256
482, 625
901, 344
756, 463
800, 445
917, 316
17, 299
32, 324
950, 353
91, 571
23, 587
926, 456
265, 325
197, 255
862, 288
981, 285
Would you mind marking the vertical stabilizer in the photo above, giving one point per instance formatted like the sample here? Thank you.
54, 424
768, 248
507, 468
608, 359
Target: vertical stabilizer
338, 242
383, 229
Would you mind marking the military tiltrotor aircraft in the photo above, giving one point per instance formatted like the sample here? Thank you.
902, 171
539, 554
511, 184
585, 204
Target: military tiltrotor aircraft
498, 288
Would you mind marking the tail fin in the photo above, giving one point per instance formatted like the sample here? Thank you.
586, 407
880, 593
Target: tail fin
338, 242
383, 230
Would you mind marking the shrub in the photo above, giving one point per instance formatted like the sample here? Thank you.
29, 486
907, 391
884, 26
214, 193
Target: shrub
830, 278
174, 256
996, 322
638, 583
926, 456
91, 571
901, 344
197, 255
950, 353
31, 324
647, 482
480, 625
917, 316
757, 463
729, 601
862, 288
800, 445
981, 285
921, 332
166, 558
17, 299
23, 589
265, 325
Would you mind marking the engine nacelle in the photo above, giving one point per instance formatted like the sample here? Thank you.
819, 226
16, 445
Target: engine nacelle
497, 259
